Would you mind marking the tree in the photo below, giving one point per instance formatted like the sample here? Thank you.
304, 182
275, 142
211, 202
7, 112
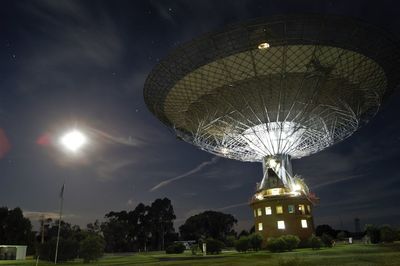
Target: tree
255, 241
129, 231
341, 235
92, 248
230, 241
387, 234
327, 240
314, 242
324, 228
373, 232
242, 244
214, 246
161, 217
15, 228
67, 250
291, 241
212, 224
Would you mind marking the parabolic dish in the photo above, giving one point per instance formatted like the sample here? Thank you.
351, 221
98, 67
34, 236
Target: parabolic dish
290, 85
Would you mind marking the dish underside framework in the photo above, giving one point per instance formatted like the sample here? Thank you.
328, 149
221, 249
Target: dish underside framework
284, 87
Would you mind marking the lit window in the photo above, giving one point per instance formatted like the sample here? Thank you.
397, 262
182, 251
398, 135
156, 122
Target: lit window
268, 211
281, 225
275, 191
291, 208
304, 223
301, 209
259, 212
279, 209
260, 227
308, 209
255, 213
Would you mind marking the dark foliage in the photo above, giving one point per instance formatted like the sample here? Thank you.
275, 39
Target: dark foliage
214, 246
325, 229
327, 240
315, 242
144, 228
373, 232
175, 248
255, 241
67, 250
276, 244
283, 243
207, 224
91, 248
242, 244
15, 229
387, 234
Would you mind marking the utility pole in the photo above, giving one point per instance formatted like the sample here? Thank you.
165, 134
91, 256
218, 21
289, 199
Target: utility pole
59, 222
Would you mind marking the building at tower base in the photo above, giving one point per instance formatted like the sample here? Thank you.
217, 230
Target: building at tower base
279, 210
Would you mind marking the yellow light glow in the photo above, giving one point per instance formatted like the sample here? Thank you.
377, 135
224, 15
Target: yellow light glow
272, 162
73, 140
304, 223
275, 191
296, 187
263, 46
281, 225
259, 196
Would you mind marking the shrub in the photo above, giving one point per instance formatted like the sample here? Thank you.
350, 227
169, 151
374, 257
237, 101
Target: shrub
92, 248
341, 235
314, 242
373, 233
291, 242
276, 244
67, 250
387, 234
230, 241
327, 240
242, 244
175, 248
255, 241
214, 246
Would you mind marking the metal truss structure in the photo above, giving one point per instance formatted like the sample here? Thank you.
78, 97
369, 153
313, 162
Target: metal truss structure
288, 85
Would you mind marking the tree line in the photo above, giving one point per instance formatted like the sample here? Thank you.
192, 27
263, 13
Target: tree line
150, 227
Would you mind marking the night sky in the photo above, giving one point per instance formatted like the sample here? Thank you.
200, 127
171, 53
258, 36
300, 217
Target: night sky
83, 63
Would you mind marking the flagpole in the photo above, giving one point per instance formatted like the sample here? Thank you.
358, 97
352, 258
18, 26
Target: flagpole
59, 221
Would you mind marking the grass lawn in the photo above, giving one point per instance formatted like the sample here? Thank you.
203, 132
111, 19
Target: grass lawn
356, 254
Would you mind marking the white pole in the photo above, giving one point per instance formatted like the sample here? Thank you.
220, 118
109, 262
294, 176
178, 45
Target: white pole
59, 222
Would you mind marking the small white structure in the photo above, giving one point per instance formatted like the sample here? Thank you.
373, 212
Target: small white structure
12, 252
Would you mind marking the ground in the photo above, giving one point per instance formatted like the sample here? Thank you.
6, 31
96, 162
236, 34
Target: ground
356, 254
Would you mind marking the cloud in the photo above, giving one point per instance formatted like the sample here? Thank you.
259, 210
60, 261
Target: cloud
233, 206
37, 216
189, 173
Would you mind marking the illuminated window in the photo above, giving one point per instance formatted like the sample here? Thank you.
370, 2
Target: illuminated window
281, 225
291, 208
268, 211
304, 223
308, 209
259, 212
255, 213
275, 191
279, 209
301, 209
260, 227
